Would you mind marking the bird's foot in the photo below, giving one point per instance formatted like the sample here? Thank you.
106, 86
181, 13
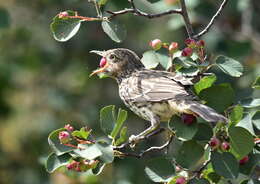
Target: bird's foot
133, 140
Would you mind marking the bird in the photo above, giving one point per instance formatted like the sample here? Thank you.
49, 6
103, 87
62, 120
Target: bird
153, 95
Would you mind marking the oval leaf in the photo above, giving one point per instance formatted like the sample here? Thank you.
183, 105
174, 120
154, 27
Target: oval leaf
107, 119
114, 30
65, 28
106, 150
54, 162
204, 83
250, 102
150, 59
229, 66
242, 142
225, 164
89, 152
190, 154
159, 170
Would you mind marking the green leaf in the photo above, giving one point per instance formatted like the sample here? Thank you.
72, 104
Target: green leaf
191, 71
121, 117
101, 2
114, 30
99, 168
5, 18
107, 119
204, 132
160, 170
54, 162
236, 114
242, 142
256, 84
65, 28
225, 164
219, 97
190, 154
164, 58
229, 66
89, 152
82, 133
250, 102
106, 150
123, 136
150, 59
198, 181
204, 83
247, 123
55, 144
182, 130
249, 167
256, 119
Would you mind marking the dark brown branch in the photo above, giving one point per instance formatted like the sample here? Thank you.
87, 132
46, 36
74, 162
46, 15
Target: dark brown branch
151, 149
211, 22
186, 19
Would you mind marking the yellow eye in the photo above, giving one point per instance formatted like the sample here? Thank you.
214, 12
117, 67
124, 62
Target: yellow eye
112, 56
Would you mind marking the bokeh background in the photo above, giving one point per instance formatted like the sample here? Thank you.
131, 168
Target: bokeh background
44, 84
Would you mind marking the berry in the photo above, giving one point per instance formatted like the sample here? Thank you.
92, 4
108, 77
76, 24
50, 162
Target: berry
200, 43
225, 146
190, 41
214, 142
103, 62
244, 160
187, 52
156, 44
64, 137
63, 14
69, 127
180, 180
173, 47
188, 119
72, 165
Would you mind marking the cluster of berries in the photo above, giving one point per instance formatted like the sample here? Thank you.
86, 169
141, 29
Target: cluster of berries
63, 14
191, 44
64, 136
82, 166
215, 143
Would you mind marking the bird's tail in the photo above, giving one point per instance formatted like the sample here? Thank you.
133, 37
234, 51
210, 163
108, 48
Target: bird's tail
206, 112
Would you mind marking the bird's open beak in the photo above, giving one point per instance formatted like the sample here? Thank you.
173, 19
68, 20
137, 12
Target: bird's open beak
99, 70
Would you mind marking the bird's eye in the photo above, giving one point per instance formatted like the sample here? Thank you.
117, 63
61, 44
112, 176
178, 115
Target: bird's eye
112, 56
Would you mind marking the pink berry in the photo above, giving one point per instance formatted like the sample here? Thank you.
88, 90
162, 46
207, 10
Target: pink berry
188, 119
69, 127
187, 52
103, 62
180, 180
63, 14
200, 43
244, 160
225, 146
156, 44
173, 47
214, 142
72, 165
190, 41
64, 137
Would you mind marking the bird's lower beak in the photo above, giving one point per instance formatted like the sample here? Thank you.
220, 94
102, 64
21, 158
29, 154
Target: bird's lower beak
99, 70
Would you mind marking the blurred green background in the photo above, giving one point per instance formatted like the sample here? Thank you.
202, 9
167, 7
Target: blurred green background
44, 84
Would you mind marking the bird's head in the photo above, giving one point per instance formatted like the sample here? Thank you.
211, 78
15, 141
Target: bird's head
117, 62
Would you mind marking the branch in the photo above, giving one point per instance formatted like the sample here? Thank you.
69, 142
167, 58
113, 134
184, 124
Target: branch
151, 149
206, 29
186, 19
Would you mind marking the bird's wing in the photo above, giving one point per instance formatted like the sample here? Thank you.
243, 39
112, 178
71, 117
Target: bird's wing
155, 86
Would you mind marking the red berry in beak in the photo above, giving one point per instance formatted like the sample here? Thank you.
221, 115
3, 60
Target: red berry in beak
103, 62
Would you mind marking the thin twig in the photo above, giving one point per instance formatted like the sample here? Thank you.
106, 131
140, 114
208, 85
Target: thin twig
151, 149
186, 19
206, 29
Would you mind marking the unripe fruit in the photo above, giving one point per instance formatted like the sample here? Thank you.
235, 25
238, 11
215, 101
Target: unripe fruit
64, 137
244, 160
214, 142
188, 119
225, 146
190, 41
63, 14
186, 52
200, 43
180, 180
156, 44
103, 62
173, 47
69, 128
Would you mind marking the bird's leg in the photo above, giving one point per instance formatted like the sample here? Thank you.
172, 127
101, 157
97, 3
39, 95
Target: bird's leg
134, 139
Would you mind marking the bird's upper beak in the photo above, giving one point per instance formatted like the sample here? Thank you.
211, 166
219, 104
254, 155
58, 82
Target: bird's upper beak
102, 69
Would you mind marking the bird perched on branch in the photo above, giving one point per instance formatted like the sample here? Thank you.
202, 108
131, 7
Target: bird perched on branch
153, 95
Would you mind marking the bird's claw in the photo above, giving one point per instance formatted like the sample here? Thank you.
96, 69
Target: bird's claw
133, 140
